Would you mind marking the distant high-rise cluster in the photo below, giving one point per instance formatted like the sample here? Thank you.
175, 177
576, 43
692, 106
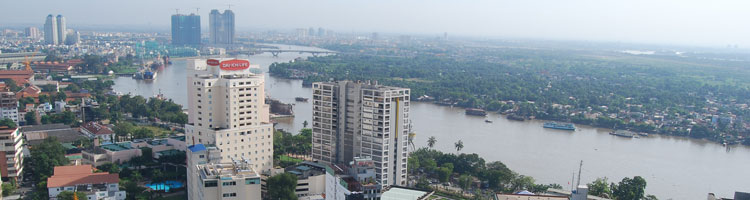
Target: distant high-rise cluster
32, 32
186, 29
221, 27
56, 31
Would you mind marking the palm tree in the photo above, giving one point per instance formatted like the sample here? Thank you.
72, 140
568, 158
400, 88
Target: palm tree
431, 141
459, 145
304, 124
412, 135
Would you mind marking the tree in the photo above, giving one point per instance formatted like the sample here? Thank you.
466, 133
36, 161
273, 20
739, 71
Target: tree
464, 181
444, 174
431, 141
282, 186
8, 189
45, 156
8, 122
30, 118
304, 124
600, 188
68, 195
143, 133
111, 168
413, 164
459, 145
123, 129
629, 189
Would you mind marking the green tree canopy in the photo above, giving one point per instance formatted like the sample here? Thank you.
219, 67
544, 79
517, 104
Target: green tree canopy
282, 186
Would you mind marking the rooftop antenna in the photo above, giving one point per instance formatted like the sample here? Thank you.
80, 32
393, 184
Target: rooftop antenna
230, 6
197, 11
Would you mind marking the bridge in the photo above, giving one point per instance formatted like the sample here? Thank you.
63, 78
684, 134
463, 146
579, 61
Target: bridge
276, 52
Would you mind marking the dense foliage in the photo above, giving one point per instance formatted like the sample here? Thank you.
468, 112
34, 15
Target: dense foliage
282, 186
284, 143
552, 84
443, 166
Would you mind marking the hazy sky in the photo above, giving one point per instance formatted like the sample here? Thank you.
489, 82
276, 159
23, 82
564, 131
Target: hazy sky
692, 22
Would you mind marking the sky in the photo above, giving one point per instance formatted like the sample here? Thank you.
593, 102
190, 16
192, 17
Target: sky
685, 22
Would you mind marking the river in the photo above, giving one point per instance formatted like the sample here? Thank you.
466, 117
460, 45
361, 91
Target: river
674, 167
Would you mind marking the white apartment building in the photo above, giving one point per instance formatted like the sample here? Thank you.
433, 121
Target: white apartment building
353, 119
233, 180
9, 106
227, 110
11, 164
81, 178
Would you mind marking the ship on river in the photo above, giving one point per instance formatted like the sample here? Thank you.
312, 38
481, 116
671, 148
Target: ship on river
561, 126
623, 133
476, 111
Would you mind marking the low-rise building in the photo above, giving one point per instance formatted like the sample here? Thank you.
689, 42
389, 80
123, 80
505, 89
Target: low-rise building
35, 134
11, 166
97, 130
110, 153
235, 180
81, 178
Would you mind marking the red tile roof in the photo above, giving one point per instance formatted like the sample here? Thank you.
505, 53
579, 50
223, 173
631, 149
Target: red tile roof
78, 175
97, 129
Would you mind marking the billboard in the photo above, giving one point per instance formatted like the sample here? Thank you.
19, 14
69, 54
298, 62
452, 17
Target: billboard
213, 62
234, 65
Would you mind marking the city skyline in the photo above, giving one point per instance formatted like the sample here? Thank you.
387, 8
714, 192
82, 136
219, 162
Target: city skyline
684, 23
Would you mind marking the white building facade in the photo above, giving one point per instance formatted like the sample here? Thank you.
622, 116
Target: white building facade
226, 102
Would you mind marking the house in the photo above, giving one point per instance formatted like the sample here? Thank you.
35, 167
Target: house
97, 130
32, 91
81, 178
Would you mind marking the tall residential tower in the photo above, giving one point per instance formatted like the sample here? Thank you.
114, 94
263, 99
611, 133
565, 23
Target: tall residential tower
352, 119
221, 27
50, 30
186, 29
62, 30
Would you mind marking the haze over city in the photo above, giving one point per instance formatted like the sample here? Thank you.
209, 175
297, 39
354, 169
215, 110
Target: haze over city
714, 24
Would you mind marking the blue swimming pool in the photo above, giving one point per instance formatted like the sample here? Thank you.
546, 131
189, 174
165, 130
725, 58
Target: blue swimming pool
165, 186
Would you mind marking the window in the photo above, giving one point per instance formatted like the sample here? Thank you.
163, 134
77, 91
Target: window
230, 183
210, 184
229, 194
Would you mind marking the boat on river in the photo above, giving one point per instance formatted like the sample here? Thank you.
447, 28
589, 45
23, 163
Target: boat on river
561, 126
300, 99
623, 133
476, 111
488, 121
515, 117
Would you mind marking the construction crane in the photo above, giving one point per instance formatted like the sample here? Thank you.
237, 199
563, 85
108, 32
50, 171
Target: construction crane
27, 61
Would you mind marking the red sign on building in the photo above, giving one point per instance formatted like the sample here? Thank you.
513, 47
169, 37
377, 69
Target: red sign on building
234, 64
212, 62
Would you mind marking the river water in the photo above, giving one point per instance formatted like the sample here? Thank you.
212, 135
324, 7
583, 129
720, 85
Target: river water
674, 167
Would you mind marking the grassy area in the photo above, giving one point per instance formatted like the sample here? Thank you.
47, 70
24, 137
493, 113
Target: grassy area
286, 158
159, 132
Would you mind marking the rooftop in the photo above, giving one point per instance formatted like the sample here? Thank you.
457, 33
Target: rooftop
236, 169
45, 127
402, 193
79, 175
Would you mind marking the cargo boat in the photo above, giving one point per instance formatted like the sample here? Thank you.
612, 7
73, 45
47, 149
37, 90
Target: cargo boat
623, 133
476, 111
300, 99
561, 126
515, 117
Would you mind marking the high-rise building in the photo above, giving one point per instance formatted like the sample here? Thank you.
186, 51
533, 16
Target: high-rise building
9, 106
32, 32
186, 29
50, 30
62, 30
226, 102
73, 37
221, 27
353, 119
